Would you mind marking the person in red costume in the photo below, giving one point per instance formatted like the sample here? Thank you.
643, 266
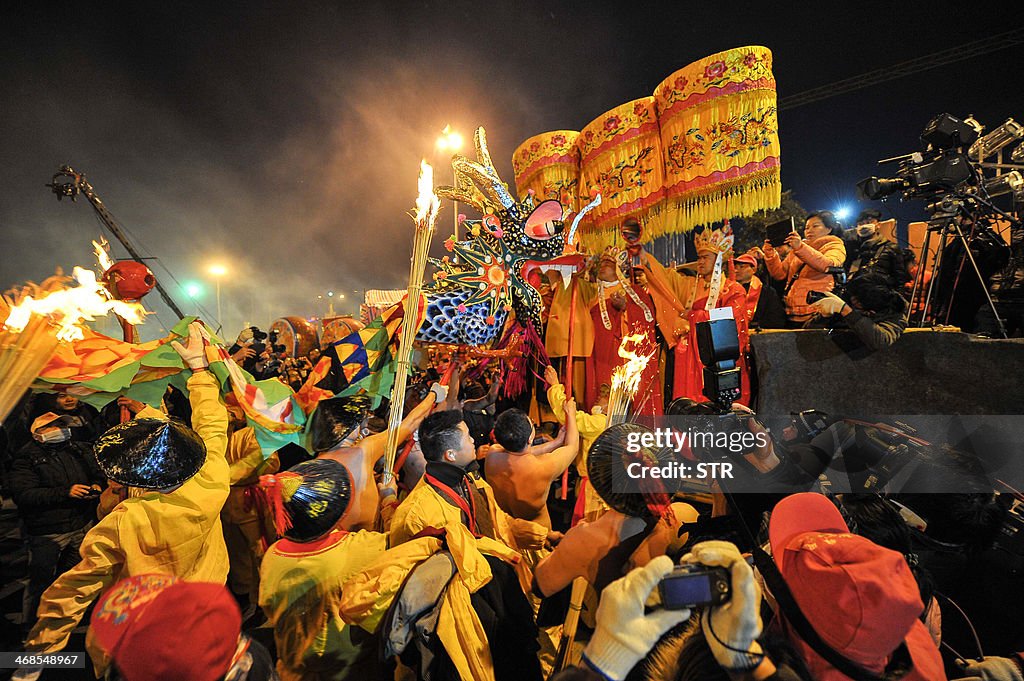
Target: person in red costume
690, 299
619, 308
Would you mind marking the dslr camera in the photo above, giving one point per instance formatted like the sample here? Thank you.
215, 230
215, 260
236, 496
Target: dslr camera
839, 275
692, 586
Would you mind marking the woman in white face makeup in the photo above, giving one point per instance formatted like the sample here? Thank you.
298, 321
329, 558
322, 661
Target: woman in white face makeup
806, 267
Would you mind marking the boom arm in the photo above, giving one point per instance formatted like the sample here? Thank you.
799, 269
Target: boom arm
77, 184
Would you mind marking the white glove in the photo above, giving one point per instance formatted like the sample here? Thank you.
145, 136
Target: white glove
737, 624
829, 305
27, 674
193, 354
991, 669
624, 635
440, 392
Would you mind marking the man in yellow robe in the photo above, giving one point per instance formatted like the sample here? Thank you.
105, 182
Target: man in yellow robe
451, 491
172, 528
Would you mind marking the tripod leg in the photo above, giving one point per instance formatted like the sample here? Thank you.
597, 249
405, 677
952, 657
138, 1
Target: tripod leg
981, 281
919, 279
936, 261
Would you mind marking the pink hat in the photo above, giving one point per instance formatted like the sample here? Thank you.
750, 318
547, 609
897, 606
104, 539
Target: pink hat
799, 513
160, 628
745, 259
861, 598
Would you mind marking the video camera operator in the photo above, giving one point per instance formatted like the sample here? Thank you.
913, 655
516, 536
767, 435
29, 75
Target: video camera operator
870, 308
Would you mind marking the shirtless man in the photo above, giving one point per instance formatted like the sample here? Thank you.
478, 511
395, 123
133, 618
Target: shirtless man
521, 478
339, 433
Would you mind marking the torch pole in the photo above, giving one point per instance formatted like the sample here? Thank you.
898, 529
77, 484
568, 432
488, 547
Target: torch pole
426, 213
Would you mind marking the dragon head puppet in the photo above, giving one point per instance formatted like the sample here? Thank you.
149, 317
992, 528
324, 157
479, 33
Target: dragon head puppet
495, 270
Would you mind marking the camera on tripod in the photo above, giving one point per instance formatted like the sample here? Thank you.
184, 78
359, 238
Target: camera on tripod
943, 166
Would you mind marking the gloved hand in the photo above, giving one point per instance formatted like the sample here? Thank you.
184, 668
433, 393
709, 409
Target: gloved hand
991, 669
440, 392
829, 305
736, 624
193, 354
624, 635
27, 674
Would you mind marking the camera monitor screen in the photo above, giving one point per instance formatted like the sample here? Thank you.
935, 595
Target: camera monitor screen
680, 591
777, 232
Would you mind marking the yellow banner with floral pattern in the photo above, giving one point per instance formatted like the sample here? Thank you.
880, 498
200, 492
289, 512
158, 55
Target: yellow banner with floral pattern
720, 132
703, 149
620, 155
549, 164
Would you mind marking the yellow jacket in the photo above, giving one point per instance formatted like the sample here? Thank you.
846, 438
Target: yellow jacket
301, 587
369, 594
589, 425
424, 508
556, 338
245, 464
177, 533
673, 294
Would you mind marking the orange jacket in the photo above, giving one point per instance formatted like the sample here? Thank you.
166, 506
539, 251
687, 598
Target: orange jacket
808, 264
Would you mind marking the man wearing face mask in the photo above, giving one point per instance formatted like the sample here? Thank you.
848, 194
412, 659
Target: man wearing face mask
868, 251
55, 483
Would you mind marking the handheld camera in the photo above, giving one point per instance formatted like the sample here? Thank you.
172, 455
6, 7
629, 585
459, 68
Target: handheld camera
691, 586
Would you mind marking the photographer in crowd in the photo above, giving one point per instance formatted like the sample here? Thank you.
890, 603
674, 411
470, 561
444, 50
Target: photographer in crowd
806, 268
875, 311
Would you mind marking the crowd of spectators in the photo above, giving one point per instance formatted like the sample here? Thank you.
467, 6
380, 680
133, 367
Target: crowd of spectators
497, 549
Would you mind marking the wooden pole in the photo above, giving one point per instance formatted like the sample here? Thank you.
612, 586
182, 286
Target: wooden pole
570, 365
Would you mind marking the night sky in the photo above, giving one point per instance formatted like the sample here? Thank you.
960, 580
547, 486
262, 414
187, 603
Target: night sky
284, 138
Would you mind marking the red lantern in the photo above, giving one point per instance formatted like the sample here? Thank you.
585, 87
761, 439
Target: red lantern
129, 280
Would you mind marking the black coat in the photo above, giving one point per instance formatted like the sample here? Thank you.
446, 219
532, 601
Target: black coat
880, 256
40, 479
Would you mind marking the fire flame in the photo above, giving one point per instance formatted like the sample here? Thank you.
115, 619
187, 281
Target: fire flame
102, 256
69, 308
427, 202
626, 376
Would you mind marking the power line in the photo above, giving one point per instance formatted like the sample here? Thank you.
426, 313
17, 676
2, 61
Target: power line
906, 68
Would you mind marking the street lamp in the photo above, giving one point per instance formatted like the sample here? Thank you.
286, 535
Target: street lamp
218, 271
451, 141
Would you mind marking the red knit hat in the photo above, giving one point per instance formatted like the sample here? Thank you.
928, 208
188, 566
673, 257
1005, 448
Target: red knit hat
160, 628
860, 598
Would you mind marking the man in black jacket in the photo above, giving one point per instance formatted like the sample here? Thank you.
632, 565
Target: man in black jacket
55, 483
867, 251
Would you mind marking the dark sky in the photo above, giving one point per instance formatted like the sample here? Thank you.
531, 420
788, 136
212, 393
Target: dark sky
284, 138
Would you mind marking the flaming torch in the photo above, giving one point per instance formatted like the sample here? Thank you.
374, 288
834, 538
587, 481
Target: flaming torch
626, 378
426, 212
33, 328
